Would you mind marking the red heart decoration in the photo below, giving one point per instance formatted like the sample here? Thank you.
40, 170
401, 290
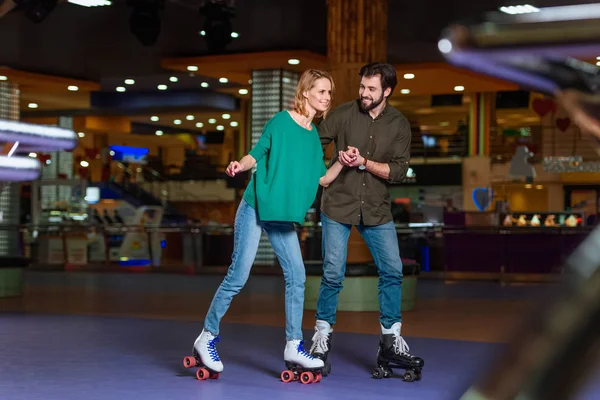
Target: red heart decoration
543, 106
563, 123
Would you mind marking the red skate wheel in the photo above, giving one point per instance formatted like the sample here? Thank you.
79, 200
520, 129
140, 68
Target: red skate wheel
307, 377
215, 375
189, 362
287, 376
202, 374
318, 378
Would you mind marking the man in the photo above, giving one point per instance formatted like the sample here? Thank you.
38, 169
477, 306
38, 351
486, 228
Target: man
374, 139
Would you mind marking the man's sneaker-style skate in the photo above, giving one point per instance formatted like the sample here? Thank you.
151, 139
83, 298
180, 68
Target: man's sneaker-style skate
205, 355
321, 344
393, 353
300, 364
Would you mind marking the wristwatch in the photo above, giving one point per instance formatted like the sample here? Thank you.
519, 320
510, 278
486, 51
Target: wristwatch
363, 166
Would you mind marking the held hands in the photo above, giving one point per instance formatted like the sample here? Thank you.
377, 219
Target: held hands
233, 168
350, 157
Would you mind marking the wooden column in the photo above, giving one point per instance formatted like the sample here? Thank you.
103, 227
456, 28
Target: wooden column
356, 35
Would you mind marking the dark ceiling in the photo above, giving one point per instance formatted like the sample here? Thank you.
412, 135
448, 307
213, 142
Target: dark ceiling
95, 43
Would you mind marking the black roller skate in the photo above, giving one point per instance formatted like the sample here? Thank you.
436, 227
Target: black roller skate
393, 353
321, 344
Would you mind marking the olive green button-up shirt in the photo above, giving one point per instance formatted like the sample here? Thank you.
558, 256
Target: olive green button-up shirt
357, 196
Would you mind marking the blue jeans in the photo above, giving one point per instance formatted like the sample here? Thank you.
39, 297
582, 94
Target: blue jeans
383, 244
284, 239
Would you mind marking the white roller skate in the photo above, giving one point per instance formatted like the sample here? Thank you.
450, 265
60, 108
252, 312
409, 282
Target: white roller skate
321, 344
300, 365
206, 356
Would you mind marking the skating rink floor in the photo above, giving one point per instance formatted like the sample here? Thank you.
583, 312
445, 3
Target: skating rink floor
123, 336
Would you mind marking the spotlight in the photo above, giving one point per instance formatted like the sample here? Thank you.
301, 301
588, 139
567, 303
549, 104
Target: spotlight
36, 10
144, 21
217, 29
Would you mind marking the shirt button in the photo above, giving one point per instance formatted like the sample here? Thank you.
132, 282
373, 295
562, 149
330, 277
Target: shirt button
363, 184
363, 202
368, 152
371, 137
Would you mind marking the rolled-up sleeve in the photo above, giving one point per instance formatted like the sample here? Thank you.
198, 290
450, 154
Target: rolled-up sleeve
400, 160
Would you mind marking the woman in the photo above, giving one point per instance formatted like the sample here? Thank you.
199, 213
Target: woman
290, 167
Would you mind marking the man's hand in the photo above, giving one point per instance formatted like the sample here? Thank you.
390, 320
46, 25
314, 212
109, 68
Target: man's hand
351, 157
233, 168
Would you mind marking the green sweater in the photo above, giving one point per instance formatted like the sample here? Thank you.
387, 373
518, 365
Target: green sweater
289, 163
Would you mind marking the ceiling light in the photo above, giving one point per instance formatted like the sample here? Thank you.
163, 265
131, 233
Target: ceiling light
120, 89
243, 91
226, 116
528, 186
3, 78
32, 105
32, 155
445, 46
459, 88
81, 134
220, 127
235, 35
204, 84
189, 117
72, 88
293, 61
162, 87
539, 187
158, 133
405, 91
177, 122
212, 121
524, 9
234, 123
409, 76
223, 80
91, 3
154, 118
84, 164
173, 79
129, 81
192, 68
199, 124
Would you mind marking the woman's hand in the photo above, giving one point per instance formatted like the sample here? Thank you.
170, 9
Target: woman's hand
233, 168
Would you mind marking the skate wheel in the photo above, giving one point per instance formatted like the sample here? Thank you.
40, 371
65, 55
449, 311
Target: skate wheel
318, 378
287, 376
327, 369
202, 374
216, 375
410, 376
377, 373
387, 372
189, 362
307, 377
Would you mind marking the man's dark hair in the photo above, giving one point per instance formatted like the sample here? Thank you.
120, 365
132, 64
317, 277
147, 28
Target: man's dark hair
387, 72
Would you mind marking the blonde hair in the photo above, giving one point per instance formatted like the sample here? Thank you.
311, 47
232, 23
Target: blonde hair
305, 83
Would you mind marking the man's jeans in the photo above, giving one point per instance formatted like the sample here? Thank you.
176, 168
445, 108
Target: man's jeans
284, 239
383, 244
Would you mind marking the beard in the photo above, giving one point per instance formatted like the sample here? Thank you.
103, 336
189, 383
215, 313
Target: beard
374, 103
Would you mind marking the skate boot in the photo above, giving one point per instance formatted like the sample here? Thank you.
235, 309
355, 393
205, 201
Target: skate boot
205, 355
321, 344
393, 353
300, 364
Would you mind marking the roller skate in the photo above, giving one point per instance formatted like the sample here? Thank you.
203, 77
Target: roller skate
321, 344
205, 356
300, 365
393, 353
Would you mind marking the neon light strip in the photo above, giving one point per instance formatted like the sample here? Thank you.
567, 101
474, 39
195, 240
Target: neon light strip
19, 169
42, 137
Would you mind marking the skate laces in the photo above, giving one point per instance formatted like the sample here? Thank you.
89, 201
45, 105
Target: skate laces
212, 349
400, 346
303, 352
320, 343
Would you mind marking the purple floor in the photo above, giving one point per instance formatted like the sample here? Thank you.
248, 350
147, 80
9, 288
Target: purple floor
76, 357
